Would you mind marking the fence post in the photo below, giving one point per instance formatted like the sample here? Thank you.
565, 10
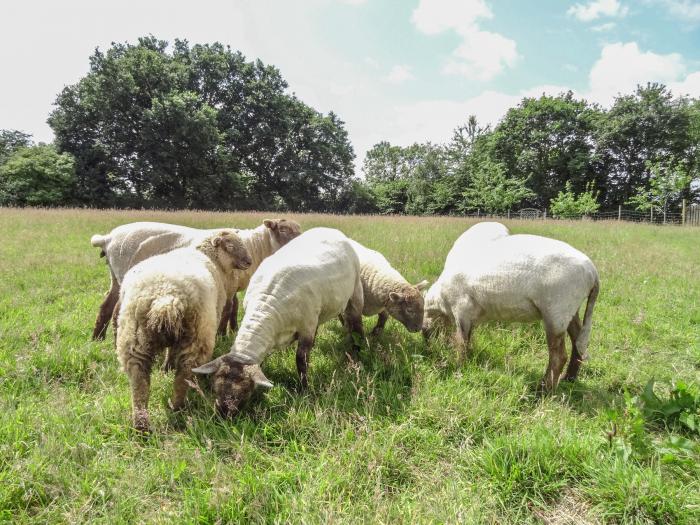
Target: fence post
652, 214
544, 215
509, 210
477, 212
683, 213
619, 212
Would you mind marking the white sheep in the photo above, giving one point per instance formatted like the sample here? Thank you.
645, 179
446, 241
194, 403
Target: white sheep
387, 293
132, 243
306, 283
174, 300
491, 275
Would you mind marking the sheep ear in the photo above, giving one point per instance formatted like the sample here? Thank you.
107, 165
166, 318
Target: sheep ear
260, 380
208, 368
395, 297
423, 285
270, 223
217, 240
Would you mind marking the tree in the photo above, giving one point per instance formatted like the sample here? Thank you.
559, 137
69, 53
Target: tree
549, 141
492, 191
569, 205
402, 178
639, 131
11, 141
667, 182
197, 127
37, 176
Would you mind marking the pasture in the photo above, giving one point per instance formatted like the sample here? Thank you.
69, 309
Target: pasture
410, 435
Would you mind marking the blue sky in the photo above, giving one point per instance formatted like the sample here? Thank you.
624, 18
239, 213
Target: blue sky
402, 71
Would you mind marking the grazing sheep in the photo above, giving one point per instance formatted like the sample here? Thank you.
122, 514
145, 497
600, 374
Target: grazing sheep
174, 300
387, 293
491, 275
132, 243
307, 282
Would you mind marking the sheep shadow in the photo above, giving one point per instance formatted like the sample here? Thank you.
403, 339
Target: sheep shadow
378, 385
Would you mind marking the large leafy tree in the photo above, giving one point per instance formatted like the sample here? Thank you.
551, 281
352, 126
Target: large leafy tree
548, 141
198, 127
643, 130
37, 176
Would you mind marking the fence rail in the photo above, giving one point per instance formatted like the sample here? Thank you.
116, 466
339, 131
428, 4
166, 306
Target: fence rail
689, 216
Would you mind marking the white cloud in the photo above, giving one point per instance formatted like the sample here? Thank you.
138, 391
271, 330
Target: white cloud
597, 9
608, 26
399, 74
354, 2
683, 9
689, 86
622, 66
482, 54
371, 62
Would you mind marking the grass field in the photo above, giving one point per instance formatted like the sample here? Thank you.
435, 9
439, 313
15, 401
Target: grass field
409, 436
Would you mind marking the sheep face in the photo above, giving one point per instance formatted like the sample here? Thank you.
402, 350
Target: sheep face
282, 231
407, 306
234, 382
231, 251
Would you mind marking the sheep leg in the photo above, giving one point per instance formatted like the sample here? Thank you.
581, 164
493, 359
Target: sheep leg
226, 312
115, 318
574, 330
233, 318
341, 319
139, 372
381, 321
462, 338
183, 374
106, 310
169, 360
557, 360
353, 324
304, 345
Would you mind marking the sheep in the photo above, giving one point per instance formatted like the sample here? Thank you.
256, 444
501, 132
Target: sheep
387, 293
306, 283
490, 275
129, 244
174, 300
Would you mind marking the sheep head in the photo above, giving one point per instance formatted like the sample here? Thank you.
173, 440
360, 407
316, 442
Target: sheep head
230, 250
434, 317
406, 306
282, 231
235, 379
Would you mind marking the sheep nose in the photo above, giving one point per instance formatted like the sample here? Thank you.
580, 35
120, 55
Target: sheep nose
244, 264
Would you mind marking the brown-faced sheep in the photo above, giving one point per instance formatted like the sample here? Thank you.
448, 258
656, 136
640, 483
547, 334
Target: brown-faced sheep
129, 244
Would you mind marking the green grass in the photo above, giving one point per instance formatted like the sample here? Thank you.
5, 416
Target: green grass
409, 436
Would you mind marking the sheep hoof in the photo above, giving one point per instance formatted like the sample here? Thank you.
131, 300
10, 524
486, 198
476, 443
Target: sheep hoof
141, 423
175, 406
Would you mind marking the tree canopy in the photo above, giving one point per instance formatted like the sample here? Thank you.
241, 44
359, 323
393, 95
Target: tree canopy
197, 127
162, 125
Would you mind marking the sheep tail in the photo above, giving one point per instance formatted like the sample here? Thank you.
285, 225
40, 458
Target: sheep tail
100, 241
166, 315
585, 334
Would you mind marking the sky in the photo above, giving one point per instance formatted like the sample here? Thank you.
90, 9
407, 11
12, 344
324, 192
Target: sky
403, 71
